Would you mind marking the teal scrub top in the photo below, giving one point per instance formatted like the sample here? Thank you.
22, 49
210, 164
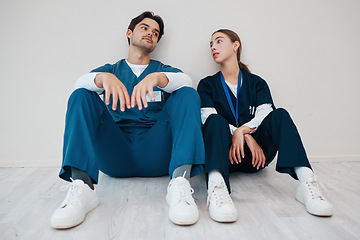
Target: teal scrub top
135, 117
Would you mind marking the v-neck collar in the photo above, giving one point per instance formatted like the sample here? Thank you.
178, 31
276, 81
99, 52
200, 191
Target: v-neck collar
232, 96
144, 72
243, 81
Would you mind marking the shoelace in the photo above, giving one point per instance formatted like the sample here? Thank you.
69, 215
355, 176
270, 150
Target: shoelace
220, 194
315, 190
73, 193
182, 190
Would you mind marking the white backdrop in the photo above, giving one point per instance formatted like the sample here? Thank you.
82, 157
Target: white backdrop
308, 52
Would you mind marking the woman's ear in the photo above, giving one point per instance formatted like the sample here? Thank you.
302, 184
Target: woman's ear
236, 46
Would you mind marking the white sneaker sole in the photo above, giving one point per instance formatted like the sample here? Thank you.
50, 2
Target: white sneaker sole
324, 213
181, 219
65, 223
223, 218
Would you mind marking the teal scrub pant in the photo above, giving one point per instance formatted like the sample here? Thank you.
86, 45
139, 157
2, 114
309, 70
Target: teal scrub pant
277, 133
93, 141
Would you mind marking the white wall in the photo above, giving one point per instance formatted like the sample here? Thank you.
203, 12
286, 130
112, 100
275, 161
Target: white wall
308, 52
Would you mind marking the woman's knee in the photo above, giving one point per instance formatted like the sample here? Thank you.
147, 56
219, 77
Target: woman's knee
216, 119
216, 122
280, 113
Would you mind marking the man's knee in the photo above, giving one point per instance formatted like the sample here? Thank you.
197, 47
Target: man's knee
81, 92
82, 95
187, 95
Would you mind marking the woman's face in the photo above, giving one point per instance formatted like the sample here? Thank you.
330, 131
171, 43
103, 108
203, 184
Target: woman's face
222, 48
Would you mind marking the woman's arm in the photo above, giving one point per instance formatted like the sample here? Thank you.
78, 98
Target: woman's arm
261, 112
258, 157
236, 151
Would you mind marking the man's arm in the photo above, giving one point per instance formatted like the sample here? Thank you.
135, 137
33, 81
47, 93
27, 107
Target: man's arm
100, 81
167, 81
103, 81
176, 80
156, 79
113, 86
87, 81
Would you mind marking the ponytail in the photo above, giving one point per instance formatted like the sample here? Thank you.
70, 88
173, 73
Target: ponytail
243, 67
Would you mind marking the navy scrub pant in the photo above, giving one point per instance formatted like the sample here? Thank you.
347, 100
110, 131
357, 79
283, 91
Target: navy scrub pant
276, 133
93, 141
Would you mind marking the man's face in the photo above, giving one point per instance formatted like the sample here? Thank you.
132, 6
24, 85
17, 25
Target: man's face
145, 35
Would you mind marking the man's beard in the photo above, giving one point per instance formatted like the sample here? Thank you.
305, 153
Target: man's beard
143, 46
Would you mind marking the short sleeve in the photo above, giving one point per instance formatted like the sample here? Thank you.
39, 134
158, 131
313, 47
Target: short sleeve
263, 95
106, 68
205, 93
168, 68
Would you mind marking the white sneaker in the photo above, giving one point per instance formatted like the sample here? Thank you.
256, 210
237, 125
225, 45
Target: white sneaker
183, 209
309, 194
79, 200
221, 206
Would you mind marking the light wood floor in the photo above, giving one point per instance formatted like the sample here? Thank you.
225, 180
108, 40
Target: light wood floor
135, 208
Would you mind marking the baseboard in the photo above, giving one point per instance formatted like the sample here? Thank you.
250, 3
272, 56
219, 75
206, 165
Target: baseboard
315, 159
26, 163
18, 163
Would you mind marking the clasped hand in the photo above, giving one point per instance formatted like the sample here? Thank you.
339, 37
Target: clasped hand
115, 88
236, 152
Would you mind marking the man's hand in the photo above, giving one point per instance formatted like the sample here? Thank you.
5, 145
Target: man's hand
236, 151
138, 96
113, 86
258, 157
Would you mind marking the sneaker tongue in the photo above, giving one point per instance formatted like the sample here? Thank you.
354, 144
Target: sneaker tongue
316, 188
78, 182
221, 195
182, 188
213, 185
313, 178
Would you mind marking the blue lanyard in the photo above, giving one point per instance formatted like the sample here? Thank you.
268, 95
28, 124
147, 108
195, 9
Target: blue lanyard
226, 90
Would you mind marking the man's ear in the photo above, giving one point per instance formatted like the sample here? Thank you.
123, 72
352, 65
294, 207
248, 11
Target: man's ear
129, 33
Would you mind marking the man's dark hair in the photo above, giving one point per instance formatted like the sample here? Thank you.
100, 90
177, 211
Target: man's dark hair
150, 15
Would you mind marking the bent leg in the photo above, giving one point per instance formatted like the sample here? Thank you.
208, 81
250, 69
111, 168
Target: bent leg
278, 132
217, 139
183, 110
88, 128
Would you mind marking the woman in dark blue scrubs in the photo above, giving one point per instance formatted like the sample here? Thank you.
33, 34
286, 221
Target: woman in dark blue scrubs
243, 131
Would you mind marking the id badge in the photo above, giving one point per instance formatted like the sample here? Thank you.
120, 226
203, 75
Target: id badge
157, 95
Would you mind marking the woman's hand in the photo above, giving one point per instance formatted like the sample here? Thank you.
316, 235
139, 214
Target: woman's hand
258, 157
236, 151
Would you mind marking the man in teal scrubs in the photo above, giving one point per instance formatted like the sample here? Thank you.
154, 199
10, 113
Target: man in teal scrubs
147, 125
